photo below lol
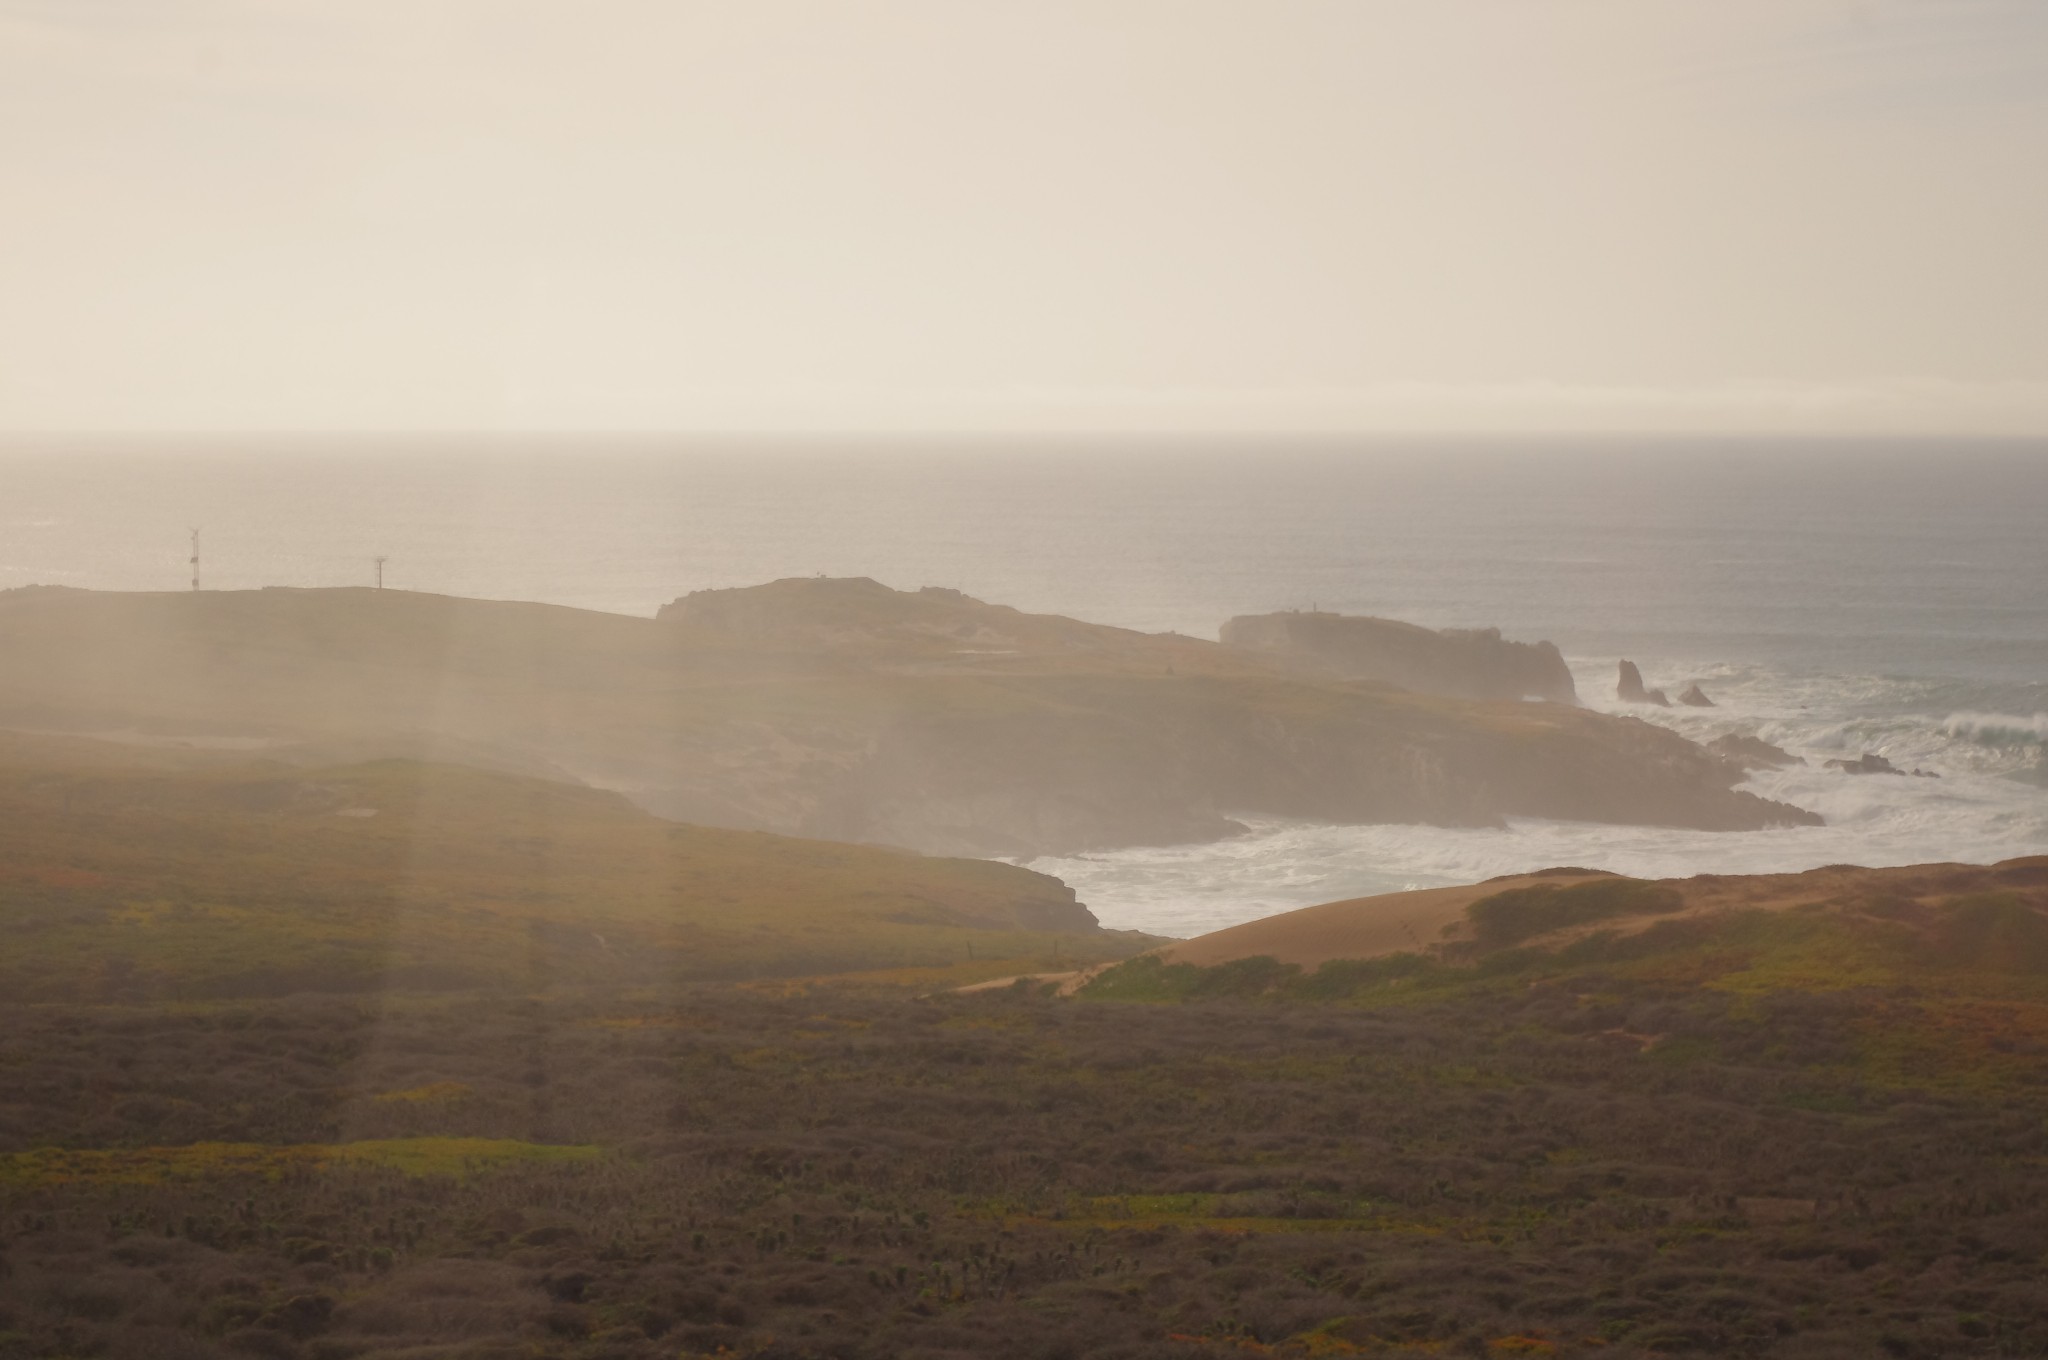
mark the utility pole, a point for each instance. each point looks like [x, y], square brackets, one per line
[380, 572]
[195, 559]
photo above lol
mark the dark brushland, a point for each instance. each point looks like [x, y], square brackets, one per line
[844, 710]
[513, 1068]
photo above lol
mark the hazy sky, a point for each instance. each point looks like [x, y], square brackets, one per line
[1472, 214]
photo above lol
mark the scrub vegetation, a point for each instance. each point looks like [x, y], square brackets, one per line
[209, 879]
[1586, 1123]
[1603, 1163]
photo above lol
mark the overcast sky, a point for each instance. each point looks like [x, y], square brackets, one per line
[889, 214]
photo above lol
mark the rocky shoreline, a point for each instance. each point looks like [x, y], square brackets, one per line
[845, 710]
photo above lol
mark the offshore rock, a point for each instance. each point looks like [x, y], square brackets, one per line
[1749, 752]
[1871, 763]
[1463, 663]
[1629, 688]
[1695, 697]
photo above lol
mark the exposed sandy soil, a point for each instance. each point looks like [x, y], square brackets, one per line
[1391, 923]
[1070, 982]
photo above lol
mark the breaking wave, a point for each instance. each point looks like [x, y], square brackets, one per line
[1990, 803]
[2000, 730]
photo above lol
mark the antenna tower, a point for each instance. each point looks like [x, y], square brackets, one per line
[380, 571]
[195, 559]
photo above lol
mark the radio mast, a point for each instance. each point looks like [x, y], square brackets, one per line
[380, 571]
[195, 559]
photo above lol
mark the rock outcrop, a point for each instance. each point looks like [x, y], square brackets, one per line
[1695, 697]
[1750, 752]
[1629, 688]
[842, 710]
[1870, 763]
[1464, 663]
[1873, 763]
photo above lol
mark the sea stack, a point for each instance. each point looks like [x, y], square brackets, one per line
[1629, 689]
[1695, 697]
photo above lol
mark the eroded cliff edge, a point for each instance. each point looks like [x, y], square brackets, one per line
[1465, 663]
[842, 709]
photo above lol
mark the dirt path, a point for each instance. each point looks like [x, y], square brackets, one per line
[1070, 982]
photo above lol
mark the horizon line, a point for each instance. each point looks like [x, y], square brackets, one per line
[998, 434]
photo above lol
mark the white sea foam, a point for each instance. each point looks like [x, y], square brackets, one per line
[1976, 812]
[1999, 729]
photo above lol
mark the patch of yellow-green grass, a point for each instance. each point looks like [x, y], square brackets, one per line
[1791, 952]
[1821, 950]
[1956, 1043]
[458, 1156]
[433, 1093]
[202, 1161]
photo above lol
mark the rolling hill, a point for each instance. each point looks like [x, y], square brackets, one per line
[148, 874]
[1929, 952]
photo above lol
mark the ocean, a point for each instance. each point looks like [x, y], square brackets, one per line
[1834, 597]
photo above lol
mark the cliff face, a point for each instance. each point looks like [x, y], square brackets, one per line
[1464, 663]
[1077, 766]
[839, 709]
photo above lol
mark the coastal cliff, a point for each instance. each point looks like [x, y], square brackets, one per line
[840, 709]
[1464, 663]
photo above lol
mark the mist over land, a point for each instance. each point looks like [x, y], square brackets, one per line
[482, 972]
[1108, 678]
[845, 709]
[1834, 596]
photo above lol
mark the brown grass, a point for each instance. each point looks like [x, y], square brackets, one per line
[1356, 928]
[1415, 922]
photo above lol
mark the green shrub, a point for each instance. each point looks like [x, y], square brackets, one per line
[1523, 913]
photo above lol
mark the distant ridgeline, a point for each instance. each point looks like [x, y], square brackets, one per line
[845, 710]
